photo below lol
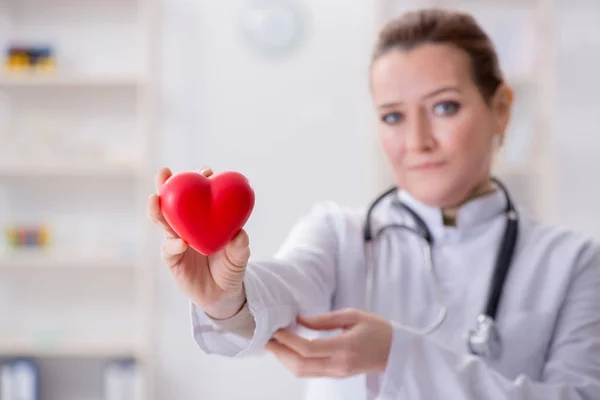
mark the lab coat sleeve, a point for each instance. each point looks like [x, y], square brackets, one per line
[419, 368]
[299, 278]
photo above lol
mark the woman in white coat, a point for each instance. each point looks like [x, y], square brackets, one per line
[444, 108]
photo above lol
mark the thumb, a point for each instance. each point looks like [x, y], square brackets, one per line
[228, 266]
[340, 319]
[237, 251]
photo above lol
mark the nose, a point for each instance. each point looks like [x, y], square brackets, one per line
[418, 136]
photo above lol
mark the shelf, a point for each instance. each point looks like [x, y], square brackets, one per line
[50, 81]
[22, 259]
[70, 347]
[77, 146]
[67, 170]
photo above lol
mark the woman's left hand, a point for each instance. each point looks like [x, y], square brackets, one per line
[363, 346]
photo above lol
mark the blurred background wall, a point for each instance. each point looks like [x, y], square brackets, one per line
[197, 91]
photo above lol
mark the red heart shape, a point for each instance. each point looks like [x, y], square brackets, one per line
[207, 213]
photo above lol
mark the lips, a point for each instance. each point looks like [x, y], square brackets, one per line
[428, 165]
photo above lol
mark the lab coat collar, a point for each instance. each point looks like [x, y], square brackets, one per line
[474, 212]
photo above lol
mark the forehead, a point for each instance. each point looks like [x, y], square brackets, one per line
[419, 71]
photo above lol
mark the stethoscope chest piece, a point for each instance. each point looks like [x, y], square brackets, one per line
[485, 340]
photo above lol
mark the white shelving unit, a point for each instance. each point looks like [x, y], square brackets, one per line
[39, 259]
[523, 32]
[81, 82]
[77, 155]
[73, 347]
[32, 168]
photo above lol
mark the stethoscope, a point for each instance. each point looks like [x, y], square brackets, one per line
[485, 340]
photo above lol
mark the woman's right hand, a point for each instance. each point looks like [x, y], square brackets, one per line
[213, 283]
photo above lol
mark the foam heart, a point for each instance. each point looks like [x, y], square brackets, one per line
[207, 213]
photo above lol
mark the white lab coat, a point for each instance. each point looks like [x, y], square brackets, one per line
[549, 315]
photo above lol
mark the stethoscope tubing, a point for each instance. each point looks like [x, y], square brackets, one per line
[486, 330]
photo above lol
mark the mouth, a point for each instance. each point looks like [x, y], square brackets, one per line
[427, 166]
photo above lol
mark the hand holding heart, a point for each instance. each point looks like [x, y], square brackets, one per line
[214, 282]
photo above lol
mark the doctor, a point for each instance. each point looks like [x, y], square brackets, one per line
[442, 289]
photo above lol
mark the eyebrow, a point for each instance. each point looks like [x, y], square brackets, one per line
[428, 95]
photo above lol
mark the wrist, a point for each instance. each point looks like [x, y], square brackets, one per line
[226, 308]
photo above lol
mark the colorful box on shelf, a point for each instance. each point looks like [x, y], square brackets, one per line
[27, 58]
[28, 236]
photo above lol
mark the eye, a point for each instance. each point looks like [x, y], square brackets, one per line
[446, 108]
[392, 118]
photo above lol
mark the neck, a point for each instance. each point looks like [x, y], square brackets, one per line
[449, 214]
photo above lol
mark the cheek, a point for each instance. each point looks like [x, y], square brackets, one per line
[390, 143]
[464, 139]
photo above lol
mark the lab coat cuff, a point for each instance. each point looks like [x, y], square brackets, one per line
[213, 337]
[216, 337]
[255, 305]
[397, 360]
[242, 323]
[267, 316]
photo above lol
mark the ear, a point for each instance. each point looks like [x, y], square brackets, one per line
[501, 106]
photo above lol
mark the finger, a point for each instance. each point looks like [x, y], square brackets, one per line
[298, 365]
[341, 319]
[206, 171]
[237, 251]
[172, 250]
[155, 214]
[161, 177]
[326, 347]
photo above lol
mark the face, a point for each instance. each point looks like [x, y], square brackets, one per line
[436, 129]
